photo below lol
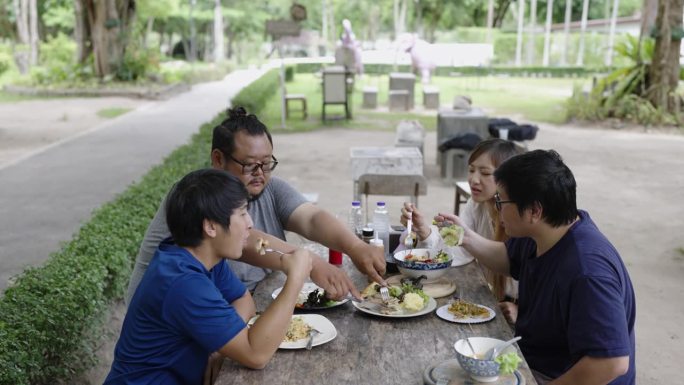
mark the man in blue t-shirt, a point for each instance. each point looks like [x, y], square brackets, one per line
[189, 304]
[576, 302]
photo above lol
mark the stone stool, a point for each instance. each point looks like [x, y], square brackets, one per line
[431, 97]
[454, 164]
[399, 100]
[370, 97]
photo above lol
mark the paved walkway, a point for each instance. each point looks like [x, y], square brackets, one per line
[46, 198]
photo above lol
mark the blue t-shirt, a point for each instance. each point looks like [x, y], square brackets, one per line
[575, 300]
[179, 315]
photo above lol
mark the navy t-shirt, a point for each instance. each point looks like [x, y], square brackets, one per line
[179, 315]
[575, 300]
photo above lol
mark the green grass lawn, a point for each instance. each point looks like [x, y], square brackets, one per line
[535, 99]
[112, 112]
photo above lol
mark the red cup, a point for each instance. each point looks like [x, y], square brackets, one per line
[335, 257]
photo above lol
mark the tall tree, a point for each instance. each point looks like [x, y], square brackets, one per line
[664, 69]
[611, 33]
[566, 32]
[521, 21]
[219, 52]
[583, 30]
[104, 28]
[547, 33]
[533, 30]
[26, 15]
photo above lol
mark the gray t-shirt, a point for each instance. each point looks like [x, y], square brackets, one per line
[270, 213]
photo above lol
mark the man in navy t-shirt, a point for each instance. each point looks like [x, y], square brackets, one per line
[189, 304]
[576, 302]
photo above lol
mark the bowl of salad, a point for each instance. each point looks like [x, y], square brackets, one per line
[481, 369]
[416, 262]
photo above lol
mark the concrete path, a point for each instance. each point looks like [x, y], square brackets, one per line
[45, 198]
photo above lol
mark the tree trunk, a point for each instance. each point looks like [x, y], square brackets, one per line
[192, 55]
[533, 26]
[611, 34]
[649, 11]
[566, 32]
[33, 31]
[219, 52]
[583, 30]
[521, 21]
[108, 22]
[547, 33]
[22, 20]
[490, 20]
[81, 33]
[500, 12]
[149, 28]
[664, 69]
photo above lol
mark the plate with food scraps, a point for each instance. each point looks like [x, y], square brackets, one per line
[301, 327]
[402, 304]
[465, 312]
[312, 297]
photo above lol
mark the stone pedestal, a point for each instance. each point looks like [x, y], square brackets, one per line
[370, 97]
[430, 97]
[410, 133]
[399, 100]
[404, 81]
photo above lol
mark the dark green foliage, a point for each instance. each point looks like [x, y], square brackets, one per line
[380, 69]
[48, 317]
[289, 73]
[255, 96]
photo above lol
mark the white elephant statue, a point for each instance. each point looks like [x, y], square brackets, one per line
[348, 52]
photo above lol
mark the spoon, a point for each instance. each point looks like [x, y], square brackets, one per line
[495, 351]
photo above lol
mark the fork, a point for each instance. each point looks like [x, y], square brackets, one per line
[384, 293]
[408, 241]
[312, 333]
[274, 251]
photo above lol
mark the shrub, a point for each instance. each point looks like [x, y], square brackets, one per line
[255, 96]
[289, 73]
[48, 316]
[136, 63]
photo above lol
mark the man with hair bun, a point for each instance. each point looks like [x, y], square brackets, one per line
[242, 146]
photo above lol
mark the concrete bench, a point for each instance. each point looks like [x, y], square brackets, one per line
[399, 100]
[431, 97]
[370, 97]
[454, 164]
[295, 97]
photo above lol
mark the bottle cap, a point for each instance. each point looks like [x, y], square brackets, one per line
[367, 232]
[377, 242]
[334, 257]
[381, 203]
[356, 203]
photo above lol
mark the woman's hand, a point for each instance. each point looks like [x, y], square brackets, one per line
[420, 226]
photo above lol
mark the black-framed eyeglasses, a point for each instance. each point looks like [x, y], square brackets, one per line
[250, 168]
[498, 202]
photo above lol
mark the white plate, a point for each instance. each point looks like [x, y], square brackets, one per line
[303, 294]
[443, 313]
[323, 325]
[431, 305]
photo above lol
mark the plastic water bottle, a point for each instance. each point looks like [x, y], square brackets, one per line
[356, 218]
[381, 224]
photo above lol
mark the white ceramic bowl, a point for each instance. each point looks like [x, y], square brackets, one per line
[415, 269]
[479, 369]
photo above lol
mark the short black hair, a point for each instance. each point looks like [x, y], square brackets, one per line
[223, 138]
[202, 194]
[540, 176]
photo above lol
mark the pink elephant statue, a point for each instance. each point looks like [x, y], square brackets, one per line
[422, 54]
[348, 52]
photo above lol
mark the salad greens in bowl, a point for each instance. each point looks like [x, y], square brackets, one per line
[481, 369]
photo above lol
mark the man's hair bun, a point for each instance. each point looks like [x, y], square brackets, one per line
[236, 112]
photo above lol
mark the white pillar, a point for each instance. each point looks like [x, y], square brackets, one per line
[518, 45]
[547, 33]
[611, 34]
[583, 29]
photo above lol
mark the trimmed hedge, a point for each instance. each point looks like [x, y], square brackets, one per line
[49, 317]
[254, 97]
[381, 69]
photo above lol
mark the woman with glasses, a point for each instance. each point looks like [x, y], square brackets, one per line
[480, 214]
